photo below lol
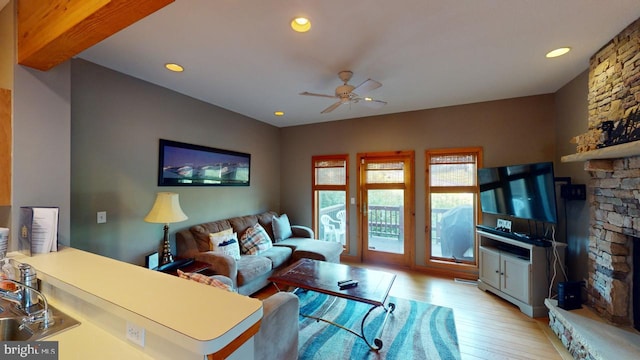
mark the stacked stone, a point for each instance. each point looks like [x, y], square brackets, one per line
[614, 84]
[615, 221]
[589, 140]
[576, 347]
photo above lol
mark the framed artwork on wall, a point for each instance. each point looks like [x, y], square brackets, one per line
[182, 164]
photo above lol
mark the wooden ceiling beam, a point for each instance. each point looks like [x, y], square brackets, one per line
[51, 32]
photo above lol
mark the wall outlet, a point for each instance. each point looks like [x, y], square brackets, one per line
[573, 192]
[102, 217]
[135, 334]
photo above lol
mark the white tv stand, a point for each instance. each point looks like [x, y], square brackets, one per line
[518, 272]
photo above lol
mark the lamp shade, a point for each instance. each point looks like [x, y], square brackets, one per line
[166, 209]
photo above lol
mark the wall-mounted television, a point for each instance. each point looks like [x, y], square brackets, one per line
[524, 191]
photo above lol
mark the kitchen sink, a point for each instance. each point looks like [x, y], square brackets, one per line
[12, 329]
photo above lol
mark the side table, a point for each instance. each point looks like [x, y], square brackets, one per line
[186, 265]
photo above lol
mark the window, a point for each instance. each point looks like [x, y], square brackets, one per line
[330, 194]
[452, 204]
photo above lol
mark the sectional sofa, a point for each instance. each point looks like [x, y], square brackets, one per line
[250, 273]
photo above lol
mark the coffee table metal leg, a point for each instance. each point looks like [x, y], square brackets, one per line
[377, 343]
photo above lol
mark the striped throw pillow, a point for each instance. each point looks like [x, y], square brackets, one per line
[255, 240]
[203, 279]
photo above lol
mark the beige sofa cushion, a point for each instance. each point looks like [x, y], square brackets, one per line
[251, 267]
[279, 255]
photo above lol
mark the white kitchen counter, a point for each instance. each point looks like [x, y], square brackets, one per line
[178, 316]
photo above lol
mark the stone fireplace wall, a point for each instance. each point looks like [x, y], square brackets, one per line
[614, 93]
[614, 203]
[615, 221]
[614, 89]
[614, 78]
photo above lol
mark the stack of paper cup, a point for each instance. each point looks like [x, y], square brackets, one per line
[4, 242]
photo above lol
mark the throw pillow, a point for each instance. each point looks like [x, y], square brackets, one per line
[225, 244]
[281, 227]
[255, 240]
[203, 279]
[225, 232]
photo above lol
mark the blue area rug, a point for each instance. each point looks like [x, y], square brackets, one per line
[415, 330]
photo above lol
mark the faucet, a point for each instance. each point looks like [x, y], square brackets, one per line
[26, 296]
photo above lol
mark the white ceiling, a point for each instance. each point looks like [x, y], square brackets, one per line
[244, 57]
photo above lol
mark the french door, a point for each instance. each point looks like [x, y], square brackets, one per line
[386, 210]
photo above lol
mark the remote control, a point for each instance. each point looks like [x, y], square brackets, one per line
[343, 282]
[349, 284]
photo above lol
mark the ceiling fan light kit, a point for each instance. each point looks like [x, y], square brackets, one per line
[349, 94]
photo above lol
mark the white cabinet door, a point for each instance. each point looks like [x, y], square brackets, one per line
[490, 267]
[515, 278]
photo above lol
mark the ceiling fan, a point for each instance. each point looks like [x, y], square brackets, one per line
[348, 94]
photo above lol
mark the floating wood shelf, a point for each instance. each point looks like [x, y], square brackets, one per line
[611, 152]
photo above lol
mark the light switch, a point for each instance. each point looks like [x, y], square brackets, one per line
[353, 201]
[102, 217]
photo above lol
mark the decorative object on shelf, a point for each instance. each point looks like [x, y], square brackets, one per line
[166, 210]
[194, 165]
[610, 132]
[622, 131]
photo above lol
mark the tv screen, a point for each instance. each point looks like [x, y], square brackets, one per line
[524, 191]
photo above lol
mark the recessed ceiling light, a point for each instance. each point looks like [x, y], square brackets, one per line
[558, 52]
[278, 113]
[301, 24]
[174, 67]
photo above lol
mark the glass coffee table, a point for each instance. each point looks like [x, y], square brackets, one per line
[372, 288]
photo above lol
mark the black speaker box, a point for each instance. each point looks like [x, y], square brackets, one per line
[569, 295]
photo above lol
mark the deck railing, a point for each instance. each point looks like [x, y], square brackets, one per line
[385, 221]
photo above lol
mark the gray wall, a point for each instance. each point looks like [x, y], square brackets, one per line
[571, 120]
[41, 143]
[117, 121]
[41, 134]
[510, 131]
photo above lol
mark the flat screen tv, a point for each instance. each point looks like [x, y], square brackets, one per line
[523, 191]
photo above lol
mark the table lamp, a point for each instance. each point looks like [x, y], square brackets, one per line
[166, 210]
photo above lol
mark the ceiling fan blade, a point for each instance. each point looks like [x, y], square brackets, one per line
[331, 108]
[375, 104]
[366, 86]
[306, 93]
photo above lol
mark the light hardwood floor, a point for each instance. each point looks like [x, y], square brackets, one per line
[488, 327]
